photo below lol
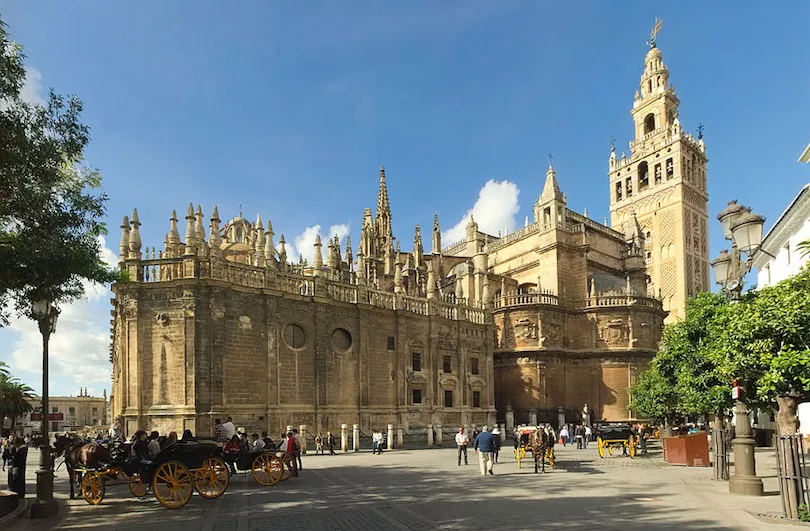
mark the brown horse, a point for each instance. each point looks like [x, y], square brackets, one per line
[538, 446]
[81, 455]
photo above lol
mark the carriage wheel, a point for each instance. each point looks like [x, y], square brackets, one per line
[631, 447]
[93, 488]
[212, 479]
[172, 484]
[601, 444]
[138, 487]
[267, 470]
[550, 454]
[610, 449]
[286, 466]
[519, 454]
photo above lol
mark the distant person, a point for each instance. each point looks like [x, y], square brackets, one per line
[496, 433]
[319, 444]
[485, 447]
[299, 445]
[187, 436]
[330, 442]
[220, 434]
[290, 448]
[564, 435]
[588, 434]
[154, 444]
[268, 442]
[229, 428]
[258, 444]
[462, 441]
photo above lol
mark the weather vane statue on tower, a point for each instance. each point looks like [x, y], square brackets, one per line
[655, 31]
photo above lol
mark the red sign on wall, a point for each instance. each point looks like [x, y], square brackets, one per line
[37, 417]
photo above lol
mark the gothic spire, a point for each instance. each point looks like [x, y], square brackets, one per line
[383, 207]
[282, 254]
[199, 230]
[190, 221]
[135, 235]
[124, 245]
[437, 236]
[174, 233]
[317, 259]
[551, 190]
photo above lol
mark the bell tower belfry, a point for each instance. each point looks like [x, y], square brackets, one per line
[663, 183]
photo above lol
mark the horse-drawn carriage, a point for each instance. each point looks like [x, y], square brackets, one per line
[617, 436]
[267, 467]
[176, 472]
[537, 442]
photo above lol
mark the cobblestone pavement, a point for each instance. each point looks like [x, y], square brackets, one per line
[425, 489]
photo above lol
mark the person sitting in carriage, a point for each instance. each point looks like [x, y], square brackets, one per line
[140, 455]
[258, 444]
[231, 452]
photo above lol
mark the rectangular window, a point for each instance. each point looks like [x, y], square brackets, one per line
[447, 365]
[95, 411]
[474, 365]
[670, 169]
[72, 411]
[658, 173]
[787, 253]
[390, 342]
[416, 361]
[619, 191]
[448, 398]
[54, 409]
[54, 426]
[476, 399]
[416, 396]
[629, 186]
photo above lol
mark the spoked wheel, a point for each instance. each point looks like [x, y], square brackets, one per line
[93, 488]
[631, 447]
[601, 444]
[286, 466]
[267, 470]
[138, 487]
[212, 479]
[172, 484]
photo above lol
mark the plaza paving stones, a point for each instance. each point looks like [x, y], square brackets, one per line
[424, 489]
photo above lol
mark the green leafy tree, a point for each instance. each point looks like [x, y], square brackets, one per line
[14, 399]
[51, 207]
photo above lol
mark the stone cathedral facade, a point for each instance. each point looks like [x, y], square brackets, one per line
[522, 327]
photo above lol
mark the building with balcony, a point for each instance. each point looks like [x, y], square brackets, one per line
[82, 413]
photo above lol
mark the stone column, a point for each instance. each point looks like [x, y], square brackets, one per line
[390, 437]
[430, 435]
[344, 438]
[302, 430]
[438, 435]
[745, 480]
[400, 437]
[356, 437]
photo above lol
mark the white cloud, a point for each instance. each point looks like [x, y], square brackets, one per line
[304, 243]
[32, 88]
[79, 350]
[495, 210]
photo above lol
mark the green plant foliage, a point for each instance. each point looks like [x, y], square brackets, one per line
[14, 397]
[51, 206]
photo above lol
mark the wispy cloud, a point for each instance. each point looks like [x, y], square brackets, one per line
[32, 88]
[304, 244]
[495, 210]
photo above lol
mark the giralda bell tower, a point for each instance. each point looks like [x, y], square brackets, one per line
[663, 185]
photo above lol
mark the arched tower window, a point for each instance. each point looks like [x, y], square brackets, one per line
[643, 176]
[649, 123]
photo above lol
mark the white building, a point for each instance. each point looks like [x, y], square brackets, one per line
[781, 258]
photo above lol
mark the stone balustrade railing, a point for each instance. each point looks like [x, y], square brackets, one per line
[601, 301]
[526, 299]
[196, 267]
[550, 299]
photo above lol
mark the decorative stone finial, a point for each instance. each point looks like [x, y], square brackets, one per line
[124, 245]
[135, 235]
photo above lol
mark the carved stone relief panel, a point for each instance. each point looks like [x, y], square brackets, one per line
[614, 332]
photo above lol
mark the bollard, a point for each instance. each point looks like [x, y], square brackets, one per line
[344, 438]
[502, 427]
[289, 429]
[356, 437]
[302, 431]
[400, 437]
[390, 436]
[439, 435]
[430, 435]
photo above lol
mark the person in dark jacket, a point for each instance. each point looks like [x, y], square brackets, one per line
[16, 471]
[485, 446]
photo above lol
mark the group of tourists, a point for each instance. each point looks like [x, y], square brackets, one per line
[15, 454]
[580, 434]
[485, 443]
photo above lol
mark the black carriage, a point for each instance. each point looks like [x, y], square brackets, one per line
[178, 470]
[267, 467]
[617, 436]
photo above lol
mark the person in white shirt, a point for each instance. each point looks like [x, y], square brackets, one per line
[258, 444]
[462, 441]
[377, 442]
[587, 438]
[154, 444]
[228, 429]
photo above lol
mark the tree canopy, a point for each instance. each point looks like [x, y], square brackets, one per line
[51, 206]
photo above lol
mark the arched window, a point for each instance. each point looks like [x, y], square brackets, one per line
[643, 176]
[649, 123]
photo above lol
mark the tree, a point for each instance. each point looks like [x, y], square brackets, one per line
[14, 399]
[51, 207]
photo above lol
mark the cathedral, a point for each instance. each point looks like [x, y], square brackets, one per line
[530, 326]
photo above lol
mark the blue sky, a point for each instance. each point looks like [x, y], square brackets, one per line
[288, 108]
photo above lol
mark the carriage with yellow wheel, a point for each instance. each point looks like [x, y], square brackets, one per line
[179, 470]
[617, 436]
[524, 437]
[267, 467]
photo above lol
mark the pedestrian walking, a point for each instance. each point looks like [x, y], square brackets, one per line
[588, 434]
[16, 470]
[485, 448]
[299, 445]
[318, 444]
[462, 441]
[497, 434]
[579, 434]
[330, 442]
[564, 435]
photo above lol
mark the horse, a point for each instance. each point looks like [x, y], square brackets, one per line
[79, 454]
[540, 442]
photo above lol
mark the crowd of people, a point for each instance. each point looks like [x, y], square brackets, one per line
[15, 454]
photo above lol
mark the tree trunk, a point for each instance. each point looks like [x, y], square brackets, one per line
[667, 428]
[788, 446]
[720, 447]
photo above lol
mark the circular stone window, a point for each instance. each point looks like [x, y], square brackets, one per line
[341, 339]
[294, 336]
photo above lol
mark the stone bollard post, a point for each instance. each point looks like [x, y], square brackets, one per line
[344, 438]
[502, 427]
[289, 429]
[400, 437]
[302, 431]
[430, 435]
[356, 437]
[439, 435]
[390, 437]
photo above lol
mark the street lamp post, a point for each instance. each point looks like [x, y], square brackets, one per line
[45, 506]
[744, 229]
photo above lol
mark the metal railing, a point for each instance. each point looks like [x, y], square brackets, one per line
[790, 468]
